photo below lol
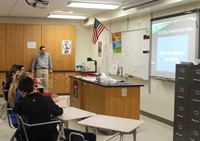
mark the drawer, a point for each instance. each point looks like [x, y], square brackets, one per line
[194, 119]
[195, 96]
[182, 93]
[181, 113]
[180, 132]
[195, 76]
[194, 134]
[182, 74]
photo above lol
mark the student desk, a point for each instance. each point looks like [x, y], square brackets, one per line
[62, 101]
[120, 125]
[71, 113]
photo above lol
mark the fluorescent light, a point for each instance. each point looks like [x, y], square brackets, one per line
[67, 17]
[92, 5]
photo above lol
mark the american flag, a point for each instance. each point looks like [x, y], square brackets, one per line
[98, 28]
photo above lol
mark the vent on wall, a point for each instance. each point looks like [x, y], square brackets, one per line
[138, 3]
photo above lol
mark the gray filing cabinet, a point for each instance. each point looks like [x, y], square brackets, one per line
[187, 103]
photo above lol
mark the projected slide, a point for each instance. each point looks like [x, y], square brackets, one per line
[171, 50]
[174, 40]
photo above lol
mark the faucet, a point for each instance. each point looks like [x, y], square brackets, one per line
[120, 71]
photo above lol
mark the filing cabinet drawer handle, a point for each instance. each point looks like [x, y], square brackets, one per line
[192, 140]
[179, 134]
[195, 120]
[179, 115]
[195, 100]
[180, 97]
[181, 78]
[196, 79]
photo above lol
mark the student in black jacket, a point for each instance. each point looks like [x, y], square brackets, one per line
[37, 108]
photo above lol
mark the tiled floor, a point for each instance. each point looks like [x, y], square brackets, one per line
[151, 130]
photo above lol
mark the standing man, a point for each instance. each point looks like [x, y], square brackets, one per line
[42, 64]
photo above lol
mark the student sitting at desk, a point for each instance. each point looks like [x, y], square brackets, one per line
[12, 72]
[37, 108]
[26, 74]
[13, 97]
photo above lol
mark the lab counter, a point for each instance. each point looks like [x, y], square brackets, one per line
[121, 99]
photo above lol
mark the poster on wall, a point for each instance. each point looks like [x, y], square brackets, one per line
[99, 49]
[116, 42]
[31, 44]
[66, 46]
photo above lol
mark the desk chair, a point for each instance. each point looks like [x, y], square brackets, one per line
[74, 135]
[8, 110]
[24, 126]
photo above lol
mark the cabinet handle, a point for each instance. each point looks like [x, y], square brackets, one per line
[179, 134]
[179, 115]
[197, 80]
[192, 140]
[195, 100]
[195, 120]
[182, 78]
[180, 96]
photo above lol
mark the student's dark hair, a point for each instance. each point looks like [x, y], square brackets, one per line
[12, 70]
[19, 67]
[42, 47]
[26, 85]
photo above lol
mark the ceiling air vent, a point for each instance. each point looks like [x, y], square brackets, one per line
[138, 3]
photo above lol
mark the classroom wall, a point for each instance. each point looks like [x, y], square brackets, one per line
[82, 34]
[157, 96]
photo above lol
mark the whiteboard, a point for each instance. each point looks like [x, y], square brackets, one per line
[134, 57]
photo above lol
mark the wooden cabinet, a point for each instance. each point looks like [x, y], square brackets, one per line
[59, 82]
[14, 45]
[120, 101]
[14, 39]
[52, 38]
[32, 33]
[2, 46]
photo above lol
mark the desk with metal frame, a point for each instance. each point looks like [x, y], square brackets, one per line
[111, 123]
[72, 113]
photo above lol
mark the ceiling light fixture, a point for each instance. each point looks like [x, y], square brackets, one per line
[93, 5]
[38, 4]
[66, 16]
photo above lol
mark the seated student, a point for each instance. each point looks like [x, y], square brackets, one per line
[20, 68]
[37, 108]
[13, 97]
[12, 72]
[26, 74]
[8, 75]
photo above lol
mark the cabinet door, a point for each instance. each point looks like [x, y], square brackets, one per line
[50, 41]
[2, 46]
[66, 60]
[14, 45]
[32, 33]
[75, 92]
[85, 96]
[59, 83]
[67, 79]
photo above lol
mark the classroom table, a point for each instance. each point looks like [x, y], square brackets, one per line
[72, 113]
[62, 101]
[111, 123]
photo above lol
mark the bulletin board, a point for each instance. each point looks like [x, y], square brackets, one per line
[134, 57]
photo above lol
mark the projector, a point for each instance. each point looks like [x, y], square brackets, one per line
[41, 4]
